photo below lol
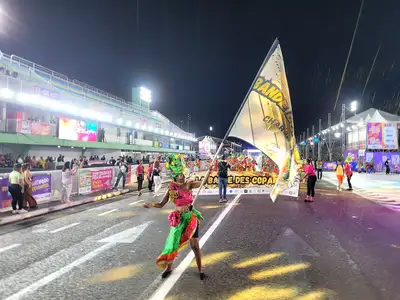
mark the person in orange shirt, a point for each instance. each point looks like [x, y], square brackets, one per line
[339, 174]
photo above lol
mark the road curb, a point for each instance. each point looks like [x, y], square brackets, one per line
[62, 206]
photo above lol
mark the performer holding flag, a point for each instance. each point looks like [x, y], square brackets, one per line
[184, 220]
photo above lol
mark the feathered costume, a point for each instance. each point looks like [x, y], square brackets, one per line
[183, 224]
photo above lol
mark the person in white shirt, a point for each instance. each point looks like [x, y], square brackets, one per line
[66, 180]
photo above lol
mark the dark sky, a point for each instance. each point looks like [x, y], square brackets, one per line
[200, 57]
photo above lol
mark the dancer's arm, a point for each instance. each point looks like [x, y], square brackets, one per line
[160, 204]
[194, 184]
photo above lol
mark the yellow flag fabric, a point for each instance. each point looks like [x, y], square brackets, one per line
[266, 121]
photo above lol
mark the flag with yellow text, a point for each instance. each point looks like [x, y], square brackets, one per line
[266, 121]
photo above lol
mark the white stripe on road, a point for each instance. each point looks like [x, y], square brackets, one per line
[136, 202]
[9, 247]
[107, 212]
[63, 228]
[169, 283]
[49, 278]
[127, 236]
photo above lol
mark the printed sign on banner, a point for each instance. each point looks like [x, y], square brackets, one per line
[5, 197]
[85, 181]
[101, 180]
[41, 187]
[382, 136]
[265, 120]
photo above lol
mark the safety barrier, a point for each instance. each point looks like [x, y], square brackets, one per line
[47, 185]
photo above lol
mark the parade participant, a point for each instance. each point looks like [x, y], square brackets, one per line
[349, 173]
[184, 220]
[339, 174]
[311, 180]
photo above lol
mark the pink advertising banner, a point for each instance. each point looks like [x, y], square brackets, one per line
[102, 179]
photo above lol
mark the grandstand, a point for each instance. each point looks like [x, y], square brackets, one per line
[27, 88]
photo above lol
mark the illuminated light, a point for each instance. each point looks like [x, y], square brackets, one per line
[23, 97]
[166, 132]
[316, 295]
[348, 129]
[58, 146]
[257, 260]
[354, 127]
[353, 106]
[119, 121]
[128, 123]
[278, 271]
[72, 147]
[150, 128]
[137, 125]
[341, 125]
[213, 258]
[360, 124]
[117, 274]
[337, 134]
[211, 206]
[162, 131]
[395, 246]
[7, 93]
[265, 293]
[145, 94]
[156, 130]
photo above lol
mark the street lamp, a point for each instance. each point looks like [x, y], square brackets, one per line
[353, 106]
[211, 130]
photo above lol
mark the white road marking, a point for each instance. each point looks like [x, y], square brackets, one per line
[65, 227]
[107, 212]
[126, 236]
[136, 202]
[169, 283]
[9, 247]
[133, 235]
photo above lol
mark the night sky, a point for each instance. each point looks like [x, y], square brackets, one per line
[200, 57]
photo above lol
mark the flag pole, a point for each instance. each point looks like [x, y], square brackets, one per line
[271, 50]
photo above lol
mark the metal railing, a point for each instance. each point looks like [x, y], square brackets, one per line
[70, 84]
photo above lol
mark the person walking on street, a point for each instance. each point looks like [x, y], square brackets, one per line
[140, 176]
[157, 178]
[339, 175]
[150, 177]
[319, 169]
[123, 170]
[349, 173]
[311, 180]
[16, 189]
[222, 167]
[387, 166]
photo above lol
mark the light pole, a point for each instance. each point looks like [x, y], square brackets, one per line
[352, 109]
[211, 130]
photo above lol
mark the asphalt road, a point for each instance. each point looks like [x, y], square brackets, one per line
[340, 247]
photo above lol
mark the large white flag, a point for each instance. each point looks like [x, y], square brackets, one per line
[266, 121]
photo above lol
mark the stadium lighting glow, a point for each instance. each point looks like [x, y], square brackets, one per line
[353, 106]
[129, 123]
[150, 128]
[156, 130]
[137, 125]
[348, 129]
[162, 132]
[119, 121]
[337, 134]
[145, 94]
[354, 127]
[341, 125]
[211, 128]
[7, 93]
[360, 124]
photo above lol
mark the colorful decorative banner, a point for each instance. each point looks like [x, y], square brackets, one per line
[41, 187]
[382, 136]
[101, 180]
[265, 121]
[84, 181]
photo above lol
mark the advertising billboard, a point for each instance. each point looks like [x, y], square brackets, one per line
[382, 136]
[76, 130]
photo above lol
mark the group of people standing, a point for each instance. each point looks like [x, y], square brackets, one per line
[153, 175]
[20, 188]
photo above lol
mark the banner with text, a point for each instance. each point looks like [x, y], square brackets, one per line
[382, 136]
[265, 121]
